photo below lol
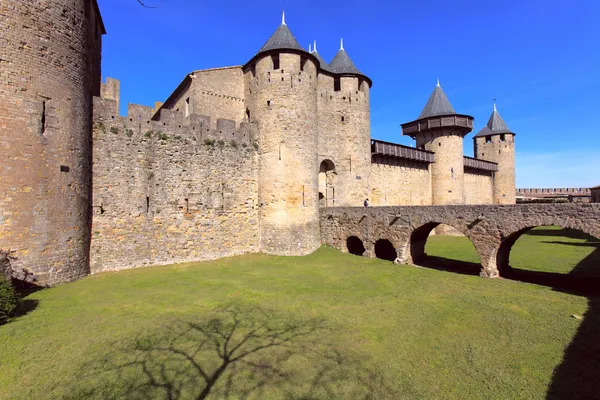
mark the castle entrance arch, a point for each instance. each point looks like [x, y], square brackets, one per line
[327, 176]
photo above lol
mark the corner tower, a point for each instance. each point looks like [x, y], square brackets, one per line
[344, 130]
[281, 97]
[50, 68]
[496, 143]
[441, 130]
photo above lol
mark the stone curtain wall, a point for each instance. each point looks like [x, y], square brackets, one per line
[493, 229]
[398, 182]
[479, 187]
[49, 70]
[171, 190]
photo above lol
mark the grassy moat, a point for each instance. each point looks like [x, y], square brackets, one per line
[325, 326]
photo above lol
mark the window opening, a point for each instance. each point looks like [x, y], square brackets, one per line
[337, 84]
[275, 59]
[43, 121]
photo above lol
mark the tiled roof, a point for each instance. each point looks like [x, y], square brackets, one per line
[495, 126]
[438, 104]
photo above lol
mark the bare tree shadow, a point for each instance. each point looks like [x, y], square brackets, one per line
[236, 353]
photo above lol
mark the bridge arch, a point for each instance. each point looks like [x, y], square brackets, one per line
[355, 246]
[385, 250]
[502, 256]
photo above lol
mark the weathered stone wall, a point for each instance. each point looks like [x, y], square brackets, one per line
[493, 229]
[399, 182]
[501, 150]
[49, 70]
[170, 191]
[217, 93]
[479, 186]
[283, 104]
[447, 172]
[345, 136]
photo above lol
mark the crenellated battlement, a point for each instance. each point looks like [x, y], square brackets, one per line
[142, 123]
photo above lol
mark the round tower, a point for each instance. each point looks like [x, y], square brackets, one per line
[281, 87]
[441, 130]
[50, 69]
[344, 129]
[496, 143]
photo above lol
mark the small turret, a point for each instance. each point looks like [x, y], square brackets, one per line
[441, 130]
[496, 143]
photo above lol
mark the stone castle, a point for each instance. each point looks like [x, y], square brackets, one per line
[236, 160]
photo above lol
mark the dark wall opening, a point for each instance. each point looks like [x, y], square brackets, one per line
[355, 246]
[385, 250]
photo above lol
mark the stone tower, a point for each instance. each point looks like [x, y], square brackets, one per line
[496, 143]
[50, 68]
[344, 130]
[441, 130]
[281, 86]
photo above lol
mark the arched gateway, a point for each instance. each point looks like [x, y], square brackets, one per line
[493, 229]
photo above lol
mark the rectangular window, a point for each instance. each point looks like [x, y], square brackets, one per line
[275, 59]
[502, 138]
[337, 84]
[488, 139]
[187, 107]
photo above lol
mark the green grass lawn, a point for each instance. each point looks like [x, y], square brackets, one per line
[328, 325]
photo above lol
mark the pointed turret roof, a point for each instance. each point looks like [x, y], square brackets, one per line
[281, 39]
[495, 125]
[324, 65]
[438, 104]
[342, 64]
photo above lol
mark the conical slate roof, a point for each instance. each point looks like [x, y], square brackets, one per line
[495, 126]
[281, 39]
[438, 104]
[342, 64]
[322, 62]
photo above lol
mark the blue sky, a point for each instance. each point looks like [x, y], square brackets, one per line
[539, 59]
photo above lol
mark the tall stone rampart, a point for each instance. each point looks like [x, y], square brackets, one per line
[49, 69]
[171, 190]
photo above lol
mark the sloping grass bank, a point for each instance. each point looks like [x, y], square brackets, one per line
[328, 325]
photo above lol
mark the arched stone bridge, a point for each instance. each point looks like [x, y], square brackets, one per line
[493, 229]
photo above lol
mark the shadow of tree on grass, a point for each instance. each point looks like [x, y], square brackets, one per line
[236, 353]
